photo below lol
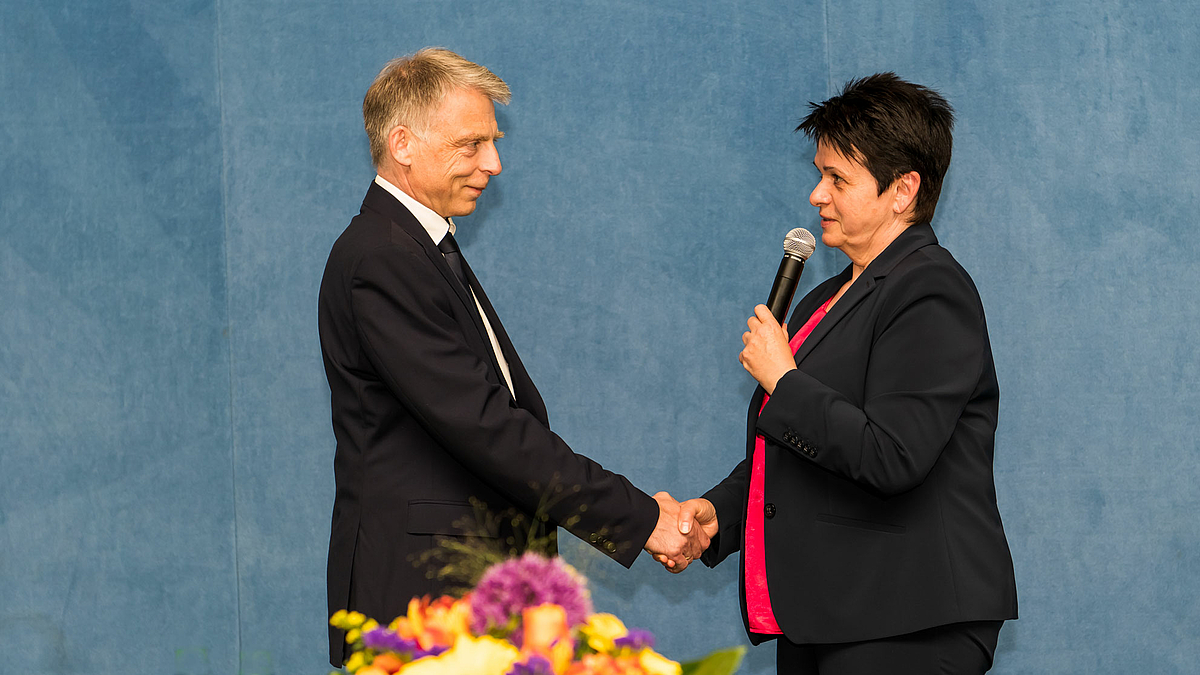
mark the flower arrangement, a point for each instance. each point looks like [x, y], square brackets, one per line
[530, 615]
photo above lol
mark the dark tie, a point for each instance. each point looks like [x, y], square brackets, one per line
[449, 248]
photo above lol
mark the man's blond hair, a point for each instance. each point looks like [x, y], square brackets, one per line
[409, 90]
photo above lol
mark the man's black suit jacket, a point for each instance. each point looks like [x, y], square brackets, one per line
[881, 514]
[424, 421]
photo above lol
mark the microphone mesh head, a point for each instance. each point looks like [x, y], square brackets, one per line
[799, 243]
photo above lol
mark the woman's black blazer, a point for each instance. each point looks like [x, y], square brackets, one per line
[881, 514]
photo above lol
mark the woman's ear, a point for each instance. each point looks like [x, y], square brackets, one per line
[907, 187]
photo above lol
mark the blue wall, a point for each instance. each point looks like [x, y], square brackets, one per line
[173, 174]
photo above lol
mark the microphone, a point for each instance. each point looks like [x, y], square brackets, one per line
[797, 246]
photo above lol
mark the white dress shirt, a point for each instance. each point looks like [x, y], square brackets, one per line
[437, 227]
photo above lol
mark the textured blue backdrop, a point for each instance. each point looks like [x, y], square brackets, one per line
[173, 174]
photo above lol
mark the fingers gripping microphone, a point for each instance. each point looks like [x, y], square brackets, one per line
[797, 246]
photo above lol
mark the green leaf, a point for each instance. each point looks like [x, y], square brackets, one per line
[723, 662]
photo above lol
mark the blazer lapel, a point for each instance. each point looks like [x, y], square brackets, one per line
[861, 288]
[911, 239]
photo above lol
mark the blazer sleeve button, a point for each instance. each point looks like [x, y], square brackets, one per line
[769, 511]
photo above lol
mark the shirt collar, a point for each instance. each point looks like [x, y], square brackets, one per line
[435, 225]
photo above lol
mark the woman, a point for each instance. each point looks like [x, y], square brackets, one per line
[866, 509]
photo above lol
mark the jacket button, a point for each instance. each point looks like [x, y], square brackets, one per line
[610, 547]
[769, 511]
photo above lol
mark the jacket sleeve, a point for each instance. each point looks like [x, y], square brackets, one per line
[924, 365]
[729, 499]
[417, 348]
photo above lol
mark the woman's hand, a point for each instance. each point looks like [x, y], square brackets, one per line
[767, 355]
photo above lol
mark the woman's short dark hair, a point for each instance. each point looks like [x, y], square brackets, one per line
[891, 127]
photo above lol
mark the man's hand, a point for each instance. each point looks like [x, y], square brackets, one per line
[767, 355]
[669, 546]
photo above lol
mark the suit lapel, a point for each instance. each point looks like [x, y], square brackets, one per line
[381, 202]
[526, 393]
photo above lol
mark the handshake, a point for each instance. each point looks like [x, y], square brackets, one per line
[683, 532]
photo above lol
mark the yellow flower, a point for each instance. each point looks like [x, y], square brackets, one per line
[355, 618]
[561, 654]
[338, 617]
[352, 635]
[356, 661]
[656, 664]
[370, 625]
[477, 656]
[601, 630]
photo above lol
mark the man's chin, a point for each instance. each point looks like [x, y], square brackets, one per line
[465, 209]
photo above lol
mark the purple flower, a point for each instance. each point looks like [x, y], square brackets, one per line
[535, 665]
[531, 580]
[382, 639]
[637, 640]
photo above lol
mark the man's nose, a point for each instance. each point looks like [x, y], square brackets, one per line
[489, 163]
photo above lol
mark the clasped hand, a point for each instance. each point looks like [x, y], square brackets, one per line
[684, 531]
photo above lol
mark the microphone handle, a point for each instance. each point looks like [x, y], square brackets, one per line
[785, 286]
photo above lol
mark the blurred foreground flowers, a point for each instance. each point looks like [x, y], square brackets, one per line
[527, 616]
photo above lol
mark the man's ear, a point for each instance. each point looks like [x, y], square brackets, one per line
[400, 144]
[906, 192]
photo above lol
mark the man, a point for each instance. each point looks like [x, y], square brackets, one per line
[431, 405]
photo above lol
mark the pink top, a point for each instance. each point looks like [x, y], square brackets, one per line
[758, 599]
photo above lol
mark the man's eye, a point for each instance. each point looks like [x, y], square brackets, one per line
[837, 180]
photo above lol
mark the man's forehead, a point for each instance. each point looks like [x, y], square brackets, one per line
[466, 115]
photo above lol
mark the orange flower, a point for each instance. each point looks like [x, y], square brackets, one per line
[546, 633]
[544, 625]
[388, 662]
[435, 623]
